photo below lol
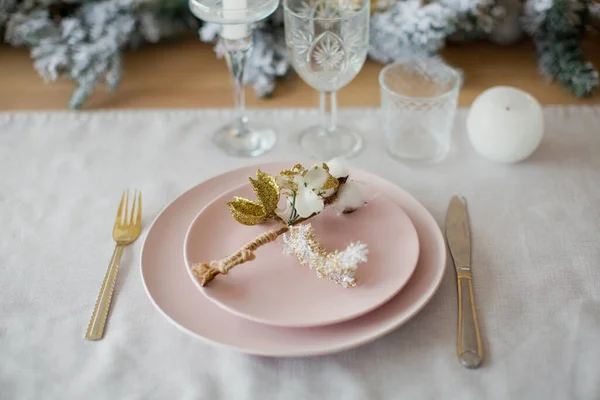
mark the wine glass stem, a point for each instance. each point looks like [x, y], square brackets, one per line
[328, 118]
[237, 52]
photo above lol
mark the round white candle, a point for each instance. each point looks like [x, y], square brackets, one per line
[505, 124]
[234, 9]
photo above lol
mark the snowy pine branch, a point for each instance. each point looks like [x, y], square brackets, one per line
[83, 40]
[409, 28]
[556, 27]
[86, 44]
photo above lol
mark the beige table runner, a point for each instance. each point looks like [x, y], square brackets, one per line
[536, 231]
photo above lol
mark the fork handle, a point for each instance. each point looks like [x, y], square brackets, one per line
[470, 346]
[95, 329]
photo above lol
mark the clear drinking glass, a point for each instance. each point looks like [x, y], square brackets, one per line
[328, 42]
[418, 103]
[242, 137]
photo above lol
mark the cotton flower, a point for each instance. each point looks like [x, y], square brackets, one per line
[308, 190]
[337, 168]
[288, 179]
[349, 198]
[308, 202]
[286, 210]
[315, 185]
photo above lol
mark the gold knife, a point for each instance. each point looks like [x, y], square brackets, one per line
[458, 235]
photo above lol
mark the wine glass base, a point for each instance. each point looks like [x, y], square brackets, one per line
[318, 143]
[245, 139]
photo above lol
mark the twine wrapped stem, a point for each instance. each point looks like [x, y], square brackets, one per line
[207, 272]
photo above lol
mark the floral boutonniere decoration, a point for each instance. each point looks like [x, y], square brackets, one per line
[307, 192]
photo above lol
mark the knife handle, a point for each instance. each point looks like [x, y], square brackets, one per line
[470, 348]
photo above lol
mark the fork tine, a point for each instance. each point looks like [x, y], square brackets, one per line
[133, 209]
[121, 204]
[138, 219]
[126, 212]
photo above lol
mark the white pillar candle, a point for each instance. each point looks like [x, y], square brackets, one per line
[505, 124]
[234, 9]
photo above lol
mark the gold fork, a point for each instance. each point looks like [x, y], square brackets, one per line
[126, 230]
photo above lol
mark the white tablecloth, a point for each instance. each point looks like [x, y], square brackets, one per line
[536, 256]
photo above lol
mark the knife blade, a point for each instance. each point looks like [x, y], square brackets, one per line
[458, 233]
[458, 236]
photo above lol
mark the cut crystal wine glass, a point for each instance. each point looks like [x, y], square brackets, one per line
[328, 42]
[241, 137]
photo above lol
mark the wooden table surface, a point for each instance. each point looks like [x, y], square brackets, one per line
[186, 74]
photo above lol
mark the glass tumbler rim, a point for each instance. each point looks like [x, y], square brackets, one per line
[448, 93]
[287, 9]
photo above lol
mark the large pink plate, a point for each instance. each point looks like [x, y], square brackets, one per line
[275, 289]
[175, 296]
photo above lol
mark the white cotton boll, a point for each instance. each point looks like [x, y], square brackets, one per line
[337, 167]
[349, 198]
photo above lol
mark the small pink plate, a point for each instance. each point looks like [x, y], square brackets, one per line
[275, 289]
[172, 292]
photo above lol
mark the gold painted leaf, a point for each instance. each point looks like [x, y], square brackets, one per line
[267, 192]
[331, 184]
[246, 211]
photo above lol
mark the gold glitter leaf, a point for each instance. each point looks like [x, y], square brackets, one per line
[296, 169]
[331, 183]
[267, 192]
[246, 211]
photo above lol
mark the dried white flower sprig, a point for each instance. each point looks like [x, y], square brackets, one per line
[337, 266]
[307, 192]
